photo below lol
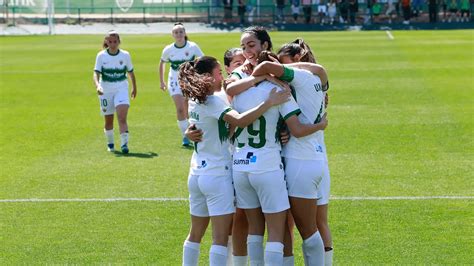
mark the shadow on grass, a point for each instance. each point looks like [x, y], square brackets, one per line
[147, 155]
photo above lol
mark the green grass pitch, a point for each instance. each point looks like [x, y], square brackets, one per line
[400, 124]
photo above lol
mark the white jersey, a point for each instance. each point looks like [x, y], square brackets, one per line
[113, 69]
[176, 56]
[257, 148]
[239, 73]
[307, 91]
[223, 96]
[211, 156]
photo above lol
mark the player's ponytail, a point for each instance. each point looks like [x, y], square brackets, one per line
[297, 47]
[307, 54]
[195, 78]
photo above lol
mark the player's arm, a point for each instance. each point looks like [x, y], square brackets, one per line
[96, 78]
[244, 119]
[161, 70]
[193, 133]
[131, 74]
[299, 130]
[316, 69]
[273, 68]
[241, 85]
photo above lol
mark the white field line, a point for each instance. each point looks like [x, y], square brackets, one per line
[389, 34]
[186, 199]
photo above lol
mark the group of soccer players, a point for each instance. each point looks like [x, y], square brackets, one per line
[242, 178]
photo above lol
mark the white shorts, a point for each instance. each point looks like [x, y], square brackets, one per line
[108, 101]
[303, 177]
[210, 195]
[173, 88]
[266, 190]
[324, 188]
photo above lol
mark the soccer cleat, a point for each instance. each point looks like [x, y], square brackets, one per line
[124, 149]
[110, 147]
[186, 142]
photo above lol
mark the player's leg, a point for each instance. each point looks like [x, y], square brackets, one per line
[323, 228]
[247, 199]
[273, 196]
[107, 109]
[304, 178]
[240, 230]
[288, 240]
[122, 103]
[322, 215]
[199, 221]
[219, 193]
[182, 115]
[122, 112]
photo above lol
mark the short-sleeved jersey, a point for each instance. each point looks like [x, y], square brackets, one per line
[211, 156]
[307, 91]
[178, 55]
[113, 69]
[257, 148]
[238, 73]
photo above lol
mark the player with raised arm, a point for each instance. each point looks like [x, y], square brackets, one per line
[210, 180]
[257, 169]
[110, 79]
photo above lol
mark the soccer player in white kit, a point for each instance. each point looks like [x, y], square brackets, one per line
[301, 52]
[110, 78]
[257, 169]
[182, 50]
[210, 179]
[304, 157]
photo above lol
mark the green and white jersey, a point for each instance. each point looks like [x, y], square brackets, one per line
[178, 55]
[113, 69]
[211, 156]
[257, 148]
[307, 91]
[239, 73]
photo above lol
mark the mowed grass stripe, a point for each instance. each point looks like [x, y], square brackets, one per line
[364, 232]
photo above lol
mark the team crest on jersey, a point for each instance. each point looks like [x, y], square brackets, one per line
[121, 62]
[186, 53]
[203, 165]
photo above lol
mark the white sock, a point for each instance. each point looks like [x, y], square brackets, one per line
[240, 260]
[313, 248]
[289, 261]
[328, 257]
[124, 138]
[190, 253]
[218, 255]
[274, 253]
[229, 252]
[183, 125]
[255, 249]
[109, 135]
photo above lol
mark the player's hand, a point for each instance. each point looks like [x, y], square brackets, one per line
[163, 86]
[284, 136]
[193, 134]
[276, 98]
[247, 68]
[133, 95]
[100, 91]
[324, 121]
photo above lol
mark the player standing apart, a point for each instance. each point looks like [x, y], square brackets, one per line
[182, 50]
[110, 77]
